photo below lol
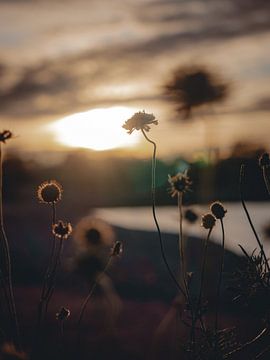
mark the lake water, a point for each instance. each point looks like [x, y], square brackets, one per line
[237, 228]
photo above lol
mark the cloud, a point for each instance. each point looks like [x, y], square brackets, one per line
[122, 60]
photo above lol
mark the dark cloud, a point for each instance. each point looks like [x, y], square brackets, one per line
[71, 83]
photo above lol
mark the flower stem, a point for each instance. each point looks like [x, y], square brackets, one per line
[88, 297]
[183, 266]
[44, 292]
[181, 243]
[220, 277]
[242, 170]
[203, 271]
[8, 288]
[47, 290]
[153, 193]
[248, 343]
[265, 170]
[51, 283]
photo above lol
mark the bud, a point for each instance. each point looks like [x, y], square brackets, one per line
[117, 249]
[61, 229]
[208, 221]
[218, 210]
[264, 160]
[5, 135]
[63, 314]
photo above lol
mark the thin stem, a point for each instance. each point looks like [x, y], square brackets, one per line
[153, 193]
[183, 265]
[47, 277]
[9, 289]
[88, 297]
[53, 248]
[203, 268]
[181, 243]
[220, 276]
[52, 277]
[47, 292]
[242, 169]
[248, 343]
[263, 352]
[266, 178]
[52, 255]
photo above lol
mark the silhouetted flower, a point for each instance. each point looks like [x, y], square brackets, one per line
[94, 234]
[190, 216]
[5, 135]
[208, 221]
[49, 192]
[61, 229]
[180, 183]
[264, 160]
[218, 210]
[140, 121]
[191, 87]
[117, 249]
[63, 314]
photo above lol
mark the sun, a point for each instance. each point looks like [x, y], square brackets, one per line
[97, 129]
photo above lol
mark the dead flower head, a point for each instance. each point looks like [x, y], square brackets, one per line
[208, 221]
[94, 235]
[63, 314]
[218, 210]
[180, 183]
[61, 229]
[117, 249]
[264, 160]
[140, 121]
[5, 135]
[49, 192]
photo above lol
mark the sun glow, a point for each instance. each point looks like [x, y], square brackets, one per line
[97, 129]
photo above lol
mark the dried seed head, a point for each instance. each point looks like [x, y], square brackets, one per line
[117, 249]
[5, 135]
[140, 121]
[208, 221]
[49, 192]
[264, 160]
[62, 230]
[63, 314]
[180, 183]
[218, 210]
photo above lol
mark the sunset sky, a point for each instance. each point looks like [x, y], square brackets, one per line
[59, 58]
